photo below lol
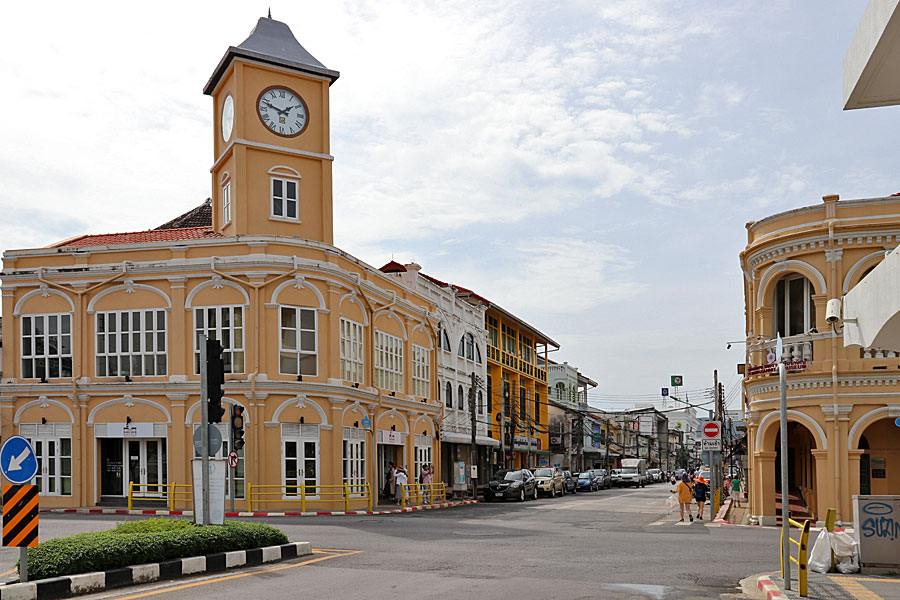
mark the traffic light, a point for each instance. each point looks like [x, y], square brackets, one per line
[215, 380]
[237, 426]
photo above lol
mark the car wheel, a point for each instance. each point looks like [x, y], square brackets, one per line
[552, 492]
[522, 495]
[535, 497]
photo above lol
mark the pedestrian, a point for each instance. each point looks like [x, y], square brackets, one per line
[683, 490]
[400, 480]
[427, 478]
[736, 490]
[701, 491]
[389, 480]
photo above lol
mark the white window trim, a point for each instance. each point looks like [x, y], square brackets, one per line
[300, 439]
[46, 335]
[226, 203]
[142, 332]
[218, 330]
[284, 179]
[297, 350]
[355, 437]
[421, 371]
[388, 349]
[54, 432]
[354, 360]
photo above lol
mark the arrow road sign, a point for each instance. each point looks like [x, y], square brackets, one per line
[17, 460]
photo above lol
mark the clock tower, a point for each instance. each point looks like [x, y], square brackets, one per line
[271, 173]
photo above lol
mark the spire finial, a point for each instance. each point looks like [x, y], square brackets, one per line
[270, 12]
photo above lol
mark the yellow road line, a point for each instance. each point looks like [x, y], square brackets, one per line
[5, 573]
[856, 589]
[239, 575]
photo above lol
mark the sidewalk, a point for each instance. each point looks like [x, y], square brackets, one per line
[834, 586]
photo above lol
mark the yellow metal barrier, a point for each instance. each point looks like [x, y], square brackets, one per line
[422, 493]
[161, 492]
[800, 561]
[830, 517]
[309, 494]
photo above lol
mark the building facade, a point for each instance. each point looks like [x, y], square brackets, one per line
[841, 401]
[333, 360]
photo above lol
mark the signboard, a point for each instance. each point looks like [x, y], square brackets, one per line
[461, 472]
[711, 436]
[794, 365]
[665, 392]
[20, 516]
[17, 460]
[395, 438]
[233, 459]
[217, 471]
[215, 439]
[366, 422]
[525, 442]
[677, 380]
[473, 471]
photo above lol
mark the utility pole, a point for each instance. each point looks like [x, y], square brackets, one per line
[607, 444]
[716, 456]
[472, 450]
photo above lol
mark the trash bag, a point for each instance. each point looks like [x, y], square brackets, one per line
[672, 502]
[819, 559]
[846, 553]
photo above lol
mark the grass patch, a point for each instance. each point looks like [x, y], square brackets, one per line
[149, 541]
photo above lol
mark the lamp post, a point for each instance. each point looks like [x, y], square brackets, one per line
[785, 511]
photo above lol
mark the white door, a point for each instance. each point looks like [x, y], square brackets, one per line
[147, 467]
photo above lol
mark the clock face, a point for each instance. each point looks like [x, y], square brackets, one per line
[227, 117]
[282, 111]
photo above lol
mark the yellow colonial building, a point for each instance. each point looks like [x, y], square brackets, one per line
[332, 360]
[842, 402]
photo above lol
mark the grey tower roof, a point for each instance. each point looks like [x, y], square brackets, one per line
[271, 42]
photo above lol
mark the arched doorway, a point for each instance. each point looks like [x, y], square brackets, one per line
[879, 463]
[801, 466]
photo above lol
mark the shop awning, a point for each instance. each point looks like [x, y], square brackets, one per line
[465, 438]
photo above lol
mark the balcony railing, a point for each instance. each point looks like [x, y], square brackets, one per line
[796, 348]
[877, 353]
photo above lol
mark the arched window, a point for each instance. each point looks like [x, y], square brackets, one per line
[480, 403]
[560, 391]
[461, 351]
[446, 341]
[470, 347]
[460, 398]
[477, 354]
[795, 311]
[449, 395]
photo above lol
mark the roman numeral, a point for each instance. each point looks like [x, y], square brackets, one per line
[265, 118]
[281, 93]
[272, 125]
[298, 124]
[272, 94]
[281, 130]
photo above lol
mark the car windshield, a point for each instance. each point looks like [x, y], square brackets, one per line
[543, 473]
[584, 476]
[629, 470]
[509, 475]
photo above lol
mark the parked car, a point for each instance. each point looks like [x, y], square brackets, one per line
[518, 485]
[633, 472]
[587, 482]
[570, 482]
[615, 477]
[550, 481]
[654, 476]
[604, 479]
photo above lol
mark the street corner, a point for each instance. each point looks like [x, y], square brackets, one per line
[868, 587]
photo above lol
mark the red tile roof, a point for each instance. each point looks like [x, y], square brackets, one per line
[138, 237]
[393, 267]
[201, 216]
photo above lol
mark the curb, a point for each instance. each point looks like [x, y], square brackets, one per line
[71, 585]
[768, 587]
[190, 513]
[723, 513]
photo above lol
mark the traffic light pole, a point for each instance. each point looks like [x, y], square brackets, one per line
[204, 431]
[231, 448]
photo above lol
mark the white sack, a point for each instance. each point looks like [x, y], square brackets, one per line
[819, 559]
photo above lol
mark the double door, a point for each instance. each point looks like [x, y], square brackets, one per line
[138, 461]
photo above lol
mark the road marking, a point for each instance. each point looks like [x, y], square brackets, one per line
[240, 575]
[10, 572]
[856, 589]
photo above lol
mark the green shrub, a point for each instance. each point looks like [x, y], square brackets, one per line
[141, 542]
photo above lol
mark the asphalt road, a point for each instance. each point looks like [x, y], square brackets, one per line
[618, 544]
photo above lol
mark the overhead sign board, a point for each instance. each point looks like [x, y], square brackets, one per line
[677, 380]
[17, 460]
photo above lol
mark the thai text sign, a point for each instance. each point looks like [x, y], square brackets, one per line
[795, 365]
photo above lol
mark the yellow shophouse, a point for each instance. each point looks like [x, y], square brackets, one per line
[332, 360]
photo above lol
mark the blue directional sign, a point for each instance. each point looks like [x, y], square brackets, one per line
[366, 422]
[897, 421]
[17, 460]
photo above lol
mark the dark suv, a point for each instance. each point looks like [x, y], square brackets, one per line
[517, 485]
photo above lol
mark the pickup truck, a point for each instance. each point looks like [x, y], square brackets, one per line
[633, 472]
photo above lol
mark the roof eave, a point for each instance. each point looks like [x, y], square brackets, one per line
[234, 52]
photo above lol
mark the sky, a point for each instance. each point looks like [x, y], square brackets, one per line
[587, 165]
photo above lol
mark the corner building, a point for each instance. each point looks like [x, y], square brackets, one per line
[841, 402]
[332, 360]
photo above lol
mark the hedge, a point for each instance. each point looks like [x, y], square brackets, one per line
[149, 541]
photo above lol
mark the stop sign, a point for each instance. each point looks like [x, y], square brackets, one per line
[711, 430]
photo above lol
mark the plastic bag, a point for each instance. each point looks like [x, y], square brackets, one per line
[820, 558]
[672, 502]
[845, 552]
